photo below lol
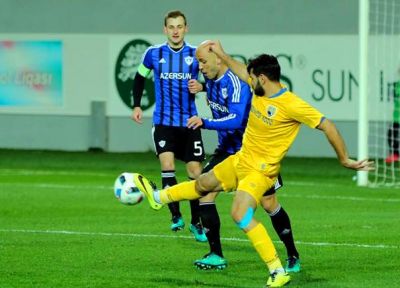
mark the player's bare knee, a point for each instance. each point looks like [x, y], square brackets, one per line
[204, 184]
[201, 185]
[168, 166]
[210, 197]
[270, 203]
[193, 169]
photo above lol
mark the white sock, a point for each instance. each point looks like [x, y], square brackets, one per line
[156, 195]
[279, 271]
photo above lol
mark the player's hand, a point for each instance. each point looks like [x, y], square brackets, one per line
[216, 47]
[362, 165]
[194, 122]
[137, 114]
[195, 86]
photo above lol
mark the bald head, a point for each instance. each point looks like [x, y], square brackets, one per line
[210, 64]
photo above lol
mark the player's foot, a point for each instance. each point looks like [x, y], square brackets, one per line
[198, 232]
[211, 261]
[278, 280]
[147, 188]
[177, 223]
[392, 158]
[292, 264]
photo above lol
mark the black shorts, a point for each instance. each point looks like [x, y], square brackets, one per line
[186, 144]
[220, 156]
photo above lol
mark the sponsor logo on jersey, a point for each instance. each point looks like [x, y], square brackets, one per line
[224, 92]
[219, 107]
[177, 76]
[260, 116]
[189, 60]
[271, 111]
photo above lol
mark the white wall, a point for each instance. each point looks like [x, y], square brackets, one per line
[88, 75]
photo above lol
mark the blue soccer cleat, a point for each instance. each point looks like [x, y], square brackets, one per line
[292, 264]
[198, 232]
[211, 261]
[177, 223]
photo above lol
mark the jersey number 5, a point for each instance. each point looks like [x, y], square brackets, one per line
[198, 150]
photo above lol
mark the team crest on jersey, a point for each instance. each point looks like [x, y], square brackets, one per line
[224, 92]
[162, 143]
[271, 111]
[189, 60]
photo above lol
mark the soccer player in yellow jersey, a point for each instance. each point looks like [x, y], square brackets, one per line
[274, 121]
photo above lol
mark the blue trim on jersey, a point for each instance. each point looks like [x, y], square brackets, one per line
[229, 100]
[280, 92]
[172, 72]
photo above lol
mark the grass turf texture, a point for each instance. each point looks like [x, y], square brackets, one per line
[60, 226]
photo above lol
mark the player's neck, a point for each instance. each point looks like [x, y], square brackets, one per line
[176, 46]
[222, 71]
[273, 89]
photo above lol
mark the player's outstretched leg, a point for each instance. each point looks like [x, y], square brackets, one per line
[147, 188]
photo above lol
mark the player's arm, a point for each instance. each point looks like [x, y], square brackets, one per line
[337, 142]
[196, 86]
[137, 92]
[238, 99]
[230, 122]
[237, 67]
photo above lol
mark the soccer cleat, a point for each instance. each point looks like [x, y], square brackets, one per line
[392, 158]
[278, 280]
[292, 264]
[147, 188]
[211, 261]
[198, 232]
[177, 223]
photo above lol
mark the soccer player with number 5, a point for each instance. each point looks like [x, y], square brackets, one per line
[174, 64]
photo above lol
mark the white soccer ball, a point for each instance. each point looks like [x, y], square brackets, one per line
[126, 191]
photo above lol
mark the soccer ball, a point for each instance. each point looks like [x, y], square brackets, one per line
[126, 191]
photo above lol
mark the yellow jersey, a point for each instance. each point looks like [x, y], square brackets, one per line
[271, 129]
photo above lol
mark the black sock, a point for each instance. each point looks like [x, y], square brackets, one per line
[194, 210]
[281, 222]
[168, 179]
[211, 223]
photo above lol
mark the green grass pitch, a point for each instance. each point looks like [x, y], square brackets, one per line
[60, 226]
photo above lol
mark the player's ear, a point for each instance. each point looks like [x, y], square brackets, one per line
[165, 30]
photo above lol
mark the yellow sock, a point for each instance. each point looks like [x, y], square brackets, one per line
[182, 191]
[264, 246]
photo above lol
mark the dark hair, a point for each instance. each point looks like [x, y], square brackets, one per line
[174, 14]
[267, 65]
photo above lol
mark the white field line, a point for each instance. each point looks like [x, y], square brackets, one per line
[28, 172]
[109, 188]
[136, 235]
